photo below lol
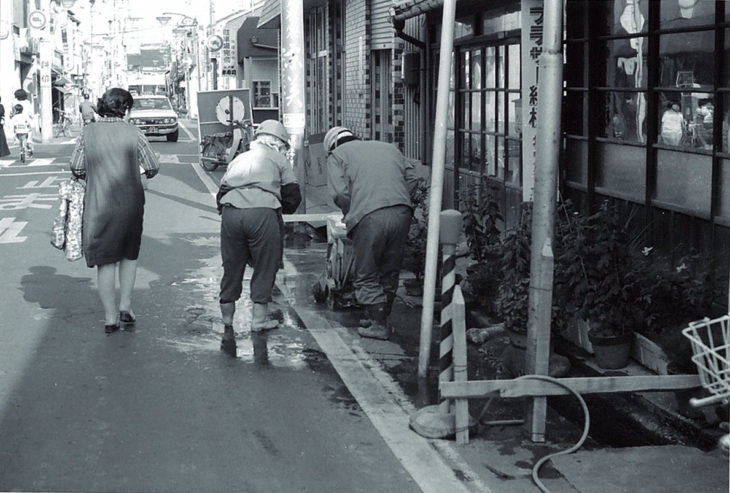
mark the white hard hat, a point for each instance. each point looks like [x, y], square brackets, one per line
[333, 135]
[273, 127]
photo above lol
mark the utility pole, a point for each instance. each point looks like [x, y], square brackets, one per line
[292, 83]
[45, 55]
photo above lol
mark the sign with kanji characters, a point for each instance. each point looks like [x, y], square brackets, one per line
[532, 26]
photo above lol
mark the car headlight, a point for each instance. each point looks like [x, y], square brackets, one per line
[169, 120]
[134, 121]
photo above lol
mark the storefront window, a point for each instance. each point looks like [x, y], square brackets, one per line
[624, 116]
[674, 14]
[262, 94]
[687, 59]
[619, 17]
[686, 120]
[626, 62]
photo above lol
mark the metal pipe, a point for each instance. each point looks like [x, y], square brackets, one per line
[437, 185]
[550, 92]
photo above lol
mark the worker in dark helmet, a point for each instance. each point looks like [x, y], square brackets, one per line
[371, 182]
[258, 186]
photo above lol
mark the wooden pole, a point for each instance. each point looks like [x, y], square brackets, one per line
[550, 92]
[437, 186]
[461, 406]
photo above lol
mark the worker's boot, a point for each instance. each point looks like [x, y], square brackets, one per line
[228, 341]
[260, 320]
[379, 327]
[365, 320]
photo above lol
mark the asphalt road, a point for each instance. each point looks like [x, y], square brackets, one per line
[161, 408]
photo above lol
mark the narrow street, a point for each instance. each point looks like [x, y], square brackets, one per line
[163, 408]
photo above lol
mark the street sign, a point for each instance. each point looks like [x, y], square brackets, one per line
[214, 42]
[37, 19]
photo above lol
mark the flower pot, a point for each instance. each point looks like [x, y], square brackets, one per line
[612, 352]
[413, 287]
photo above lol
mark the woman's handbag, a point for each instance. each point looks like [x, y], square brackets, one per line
[66, 230]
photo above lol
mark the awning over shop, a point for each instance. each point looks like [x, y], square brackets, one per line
[271, 12]
[61, 81]
[405, 9]
[256, 42]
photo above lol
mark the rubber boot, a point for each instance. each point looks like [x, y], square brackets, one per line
[365, 320]
[260, 320]
[228, 341]
[379, 327]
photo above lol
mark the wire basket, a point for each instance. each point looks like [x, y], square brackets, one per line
[711, 347]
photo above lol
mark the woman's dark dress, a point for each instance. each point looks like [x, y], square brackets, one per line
[114, 200]
[4, 150]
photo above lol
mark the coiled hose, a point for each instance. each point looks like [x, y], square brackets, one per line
[578, 444]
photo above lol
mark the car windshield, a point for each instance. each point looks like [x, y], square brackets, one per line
[151, 104]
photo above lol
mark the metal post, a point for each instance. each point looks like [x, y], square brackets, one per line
[437, 185]
[292, 83]
[543, 209]
[449, 236]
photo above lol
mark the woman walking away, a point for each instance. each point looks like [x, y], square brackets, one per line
[258, 185]
[109, 154]
[4, 150]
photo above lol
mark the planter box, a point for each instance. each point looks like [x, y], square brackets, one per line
[649, 354]
[577, 333]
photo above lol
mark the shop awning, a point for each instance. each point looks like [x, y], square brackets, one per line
[270, 17]
[405, 9]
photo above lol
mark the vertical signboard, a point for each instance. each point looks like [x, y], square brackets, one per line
[531, 42]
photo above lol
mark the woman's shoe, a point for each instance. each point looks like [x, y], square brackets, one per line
[127, 318]
[108, 329]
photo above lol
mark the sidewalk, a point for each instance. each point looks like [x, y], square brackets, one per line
[502, 457]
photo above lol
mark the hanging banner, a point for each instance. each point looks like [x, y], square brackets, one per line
[531, 42]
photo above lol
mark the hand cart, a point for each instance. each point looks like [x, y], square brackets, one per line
[224, 126]
[336, 281]
[711, 353]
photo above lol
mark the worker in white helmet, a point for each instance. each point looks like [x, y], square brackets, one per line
[371, 182]
[257, 187]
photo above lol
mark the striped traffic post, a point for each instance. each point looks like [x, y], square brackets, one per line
[448, 237]
[439, 420]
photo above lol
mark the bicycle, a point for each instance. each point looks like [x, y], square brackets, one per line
[25, 150]
[711, 354]
[63, 125]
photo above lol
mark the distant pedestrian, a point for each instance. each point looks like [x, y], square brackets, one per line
[371, 182]
[258, 186]
[4, 150]
[22, 127]
[109, 155]
[88, 110]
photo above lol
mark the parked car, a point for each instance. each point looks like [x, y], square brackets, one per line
[155, 116]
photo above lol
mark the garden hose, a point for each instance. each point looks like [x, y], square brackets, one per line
[578, 444]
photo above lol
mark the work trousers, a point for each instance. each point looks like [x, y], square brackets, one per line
[378, 241]
[250, 236]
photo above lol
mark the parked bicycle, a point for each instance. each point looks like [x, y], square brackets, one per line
[63, 127]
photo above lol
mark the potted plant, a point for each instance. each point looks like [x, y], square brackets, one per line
[414, 254]
[600, 282]
[514, 287]
[483, 225]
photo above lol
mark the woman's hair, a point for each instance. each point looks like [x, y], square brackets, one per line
[115, 102]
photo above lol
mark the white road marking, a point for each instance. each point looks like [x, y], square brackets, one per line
[42, 162]
[169, 159]
[188, 132]
[31, 173]
[9, 230]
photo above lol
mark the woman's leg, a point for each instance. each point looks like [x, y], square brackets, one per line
[127, 276]
[106, 280]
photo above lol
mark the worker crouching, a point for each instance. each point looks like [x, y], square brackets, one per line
[371, 182]
[257, 187]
